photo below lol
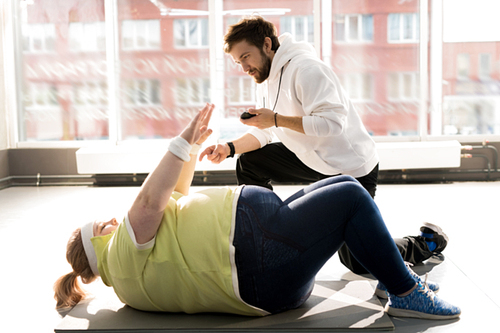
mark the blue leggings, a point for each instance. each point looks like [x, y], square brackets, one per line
[281, 246]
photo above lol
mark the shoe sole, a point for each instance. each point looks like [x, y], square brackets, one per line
[436, 229]
[381, 293]
[416, 314]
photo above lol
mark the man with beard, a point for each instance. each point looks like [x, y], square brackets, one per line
[301, 102]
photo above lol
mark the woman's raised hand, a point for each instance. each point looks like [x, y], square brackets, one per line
[197, 130]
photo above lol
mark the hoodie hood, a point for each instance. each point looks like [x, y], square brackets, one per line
[288, 49]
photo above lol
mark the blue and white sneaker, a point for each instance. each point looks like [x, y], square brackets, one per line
[421, 303]
[381, 290]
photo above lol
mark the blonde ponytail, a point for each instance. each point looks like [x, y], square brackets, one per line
[67, 289]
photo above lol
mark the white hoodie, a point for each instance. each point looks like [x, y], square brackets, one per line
[335, 140]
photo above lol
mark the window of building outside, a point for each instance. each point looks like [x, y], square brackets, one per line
[484, 67]
[300, 27]
[141, 35]
[70, 90]
[39, 38]
[403, 27]
[354, 28]
[403, 86]
[359, 86]
[241, 90]
[87, 37]
[463, 66]
[191, 33]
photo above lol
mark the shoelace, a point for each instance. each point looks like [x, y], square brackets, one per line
[425, 287]
[426, 290]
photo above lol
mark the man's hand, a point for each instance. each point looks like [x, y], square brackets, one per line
[215, 153]
[264, 118]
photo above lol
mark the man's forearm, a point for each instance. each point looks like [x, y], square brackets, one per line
[245, 143]
[293, 123]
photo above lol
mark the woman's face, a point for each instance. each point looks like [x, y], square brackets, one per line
[105, 228]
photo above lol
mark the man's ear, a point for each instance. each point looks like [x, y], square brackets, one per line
[268, 45]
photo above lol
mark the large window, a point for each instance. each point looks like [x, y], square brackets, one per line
[138, 69]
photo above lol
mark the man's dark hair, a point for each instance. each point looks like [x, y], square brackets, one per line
[253, 30]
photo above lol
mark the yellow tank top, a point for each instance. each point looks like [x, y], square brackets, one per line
[188, 267]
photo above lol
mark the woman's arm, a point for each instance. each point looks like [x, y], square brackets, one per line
[146, 212]
[187, 172]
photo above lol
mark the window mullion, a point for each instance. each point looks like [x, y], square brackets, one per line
[113, 73]
[423, 70]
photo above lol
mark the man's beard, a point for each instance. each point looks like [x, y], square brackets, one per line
[263, 71]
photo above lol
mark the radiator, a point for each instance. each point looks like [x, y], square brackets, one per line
[140, 159]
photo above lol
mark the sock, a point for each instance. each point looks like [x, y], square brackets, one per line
[432, 246]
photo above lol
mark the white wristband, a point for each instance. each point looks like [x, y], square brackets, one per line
[180, 148]
[195, 149]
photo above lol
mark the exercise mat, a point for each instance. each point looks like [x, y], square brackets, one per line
[333, 306]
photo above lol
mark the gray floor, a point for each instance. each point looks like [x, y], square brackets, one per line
[35, 224]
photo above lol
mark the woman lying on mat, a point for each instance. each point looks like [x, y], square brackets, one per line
[236, 250]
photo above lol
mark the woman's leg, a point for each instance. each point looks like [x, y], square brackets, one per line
[280, 246]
